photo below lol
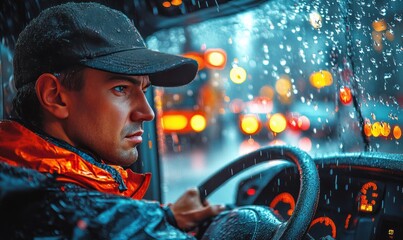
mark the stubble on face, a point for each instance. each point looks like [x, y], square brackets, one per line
[104, 122]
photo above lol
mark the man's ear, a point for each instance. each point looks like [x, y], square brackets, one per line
[49, 92]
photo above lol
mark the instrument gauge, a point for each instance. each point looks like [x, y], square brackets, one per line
[369, 197]
[322, 227]
[283, 204]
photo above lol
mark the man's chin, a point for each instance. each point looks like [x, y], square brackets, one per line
[125, 160]
[131, 158]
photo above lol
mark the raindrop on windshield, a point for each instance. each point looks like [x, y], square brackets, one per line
[352, 115]
[335, 183]
[398, 17]
[283, 62]
[387, 76]
[382, 11]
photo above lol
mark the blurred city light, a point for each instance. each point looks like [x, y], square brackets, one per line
[345, 95]
[397, 132]
[376, 129]
[304, 123]
[283, 86]
[174, 122]
[377, 40]
[379, 25]
[277, 123]
[238, 75]
[390, 35]
[315, 19]
[197, 57]
[198, 123]
[215, 58]
[296, 122]
[250, 124]
[293, 122]
[248, 146]
[321, 79]
[183, 121]
[277, 142]
[368, 128]
[385, 129]
[260, 105]
[267, 91]
[236, 105]
[305, 144]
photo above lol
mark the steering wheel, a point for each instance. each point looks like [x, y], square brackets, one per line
[259, 222]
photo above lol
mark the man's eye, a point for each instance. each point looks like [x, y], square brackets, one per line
[120, 89]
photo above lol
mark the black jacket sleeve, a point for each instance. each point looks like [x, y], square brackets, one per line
[34, 205]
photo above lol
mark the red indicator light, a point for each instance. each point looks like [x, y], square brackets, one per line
[251, 191]
[347, 222]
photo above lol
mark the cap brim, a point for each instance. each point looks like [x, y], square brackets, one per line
[165, 70]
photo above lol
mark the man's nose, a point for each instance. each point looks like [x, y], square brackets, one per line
[142, 110]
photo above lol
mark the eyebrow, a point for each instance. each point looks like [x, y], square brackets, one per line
[133, 79]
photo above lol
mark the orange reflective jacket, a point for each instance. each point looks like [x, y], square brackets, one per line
[22, 147]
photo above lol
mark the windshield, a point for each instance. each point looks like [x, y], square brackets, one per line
[320, 75]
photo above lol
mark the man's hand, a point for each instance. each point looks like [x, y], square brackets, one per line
[189, 211]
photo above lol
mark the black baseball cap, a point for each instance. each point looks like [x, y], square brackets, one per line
[96, 36]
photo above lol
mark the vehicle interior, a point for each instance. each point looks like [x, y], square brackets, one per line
[297, 106]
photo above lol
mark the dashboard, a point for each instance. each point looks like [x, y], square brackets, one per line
[355, 202]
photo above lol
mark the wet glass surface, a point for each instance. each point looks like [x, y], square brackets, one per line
[324, 76]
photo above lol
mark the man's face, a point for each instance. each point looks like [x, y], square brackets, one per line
[106, 116]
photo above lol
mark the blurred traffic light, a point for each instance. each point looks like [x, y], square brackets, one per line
[250, 124]
[183, 121]
[277, 123]
[215, 58]
[211, 58]
[238, 75]
[197, 57]
[321, 79]
[345, 95]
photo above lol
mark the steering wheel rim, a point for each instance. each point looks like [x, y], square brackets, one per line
[296, 226]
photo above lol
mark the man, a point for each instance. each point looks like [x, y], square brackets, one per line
[81, 70]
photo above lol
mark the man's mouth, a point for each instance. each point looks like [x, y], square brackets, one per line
[135, 137]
